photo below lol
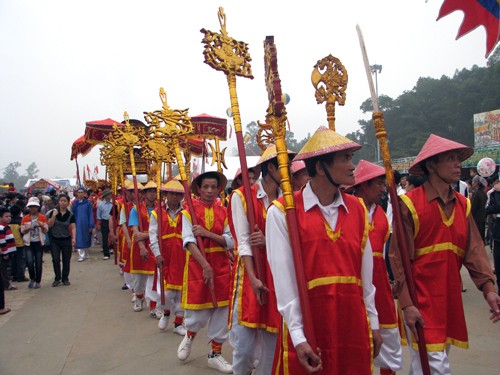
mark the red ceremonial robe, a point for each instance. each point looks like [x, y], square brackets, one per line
[137, 264]
[332, 261]
[195, 293]
[378, 234]
[440, 244]
[173, 254]
[250, 313]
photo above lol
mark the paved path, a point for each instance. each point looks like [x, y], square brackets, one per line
[90, 327]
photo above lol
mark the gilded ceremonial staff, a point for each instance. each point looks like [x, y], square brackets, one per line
[276, 122]
[126, 137]
[231, 57]
[329, 78]
[218, 157]
[176, 125]
[381, 134]
[158, 148]
[113, 162]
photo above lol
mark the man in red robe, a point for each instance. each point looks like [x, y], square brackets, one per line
[172, 257]
[125, 235]
[201, 274]
[442, 236]
[338, 264]
[370, 187]
[254, 318]
[142, 261]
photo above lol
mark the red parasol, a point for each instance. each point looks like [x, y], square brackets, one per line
[95, 133]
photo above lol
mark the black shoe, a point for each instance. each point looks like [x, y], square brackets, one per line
[66, 282]
[124, 287]
[56, 283]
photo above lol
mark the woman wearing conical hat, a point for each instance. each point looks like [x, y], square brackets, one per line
[442, 236]
[337, 262]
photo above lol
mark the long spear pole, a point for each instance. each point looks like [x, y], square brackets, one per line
[381, 134]
[277, 119]
[230, 56]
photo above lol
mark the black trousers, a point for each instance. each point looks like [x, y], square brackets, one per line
[4, 266]
[18, 264]
[61, 247]
[34, 259]
[104, 239]
[2, 294]
[496, 261]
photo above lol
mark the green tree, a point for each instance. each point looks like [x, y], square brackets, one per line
[10, 173]
[32, 171]
[442, 106]
[494, 57]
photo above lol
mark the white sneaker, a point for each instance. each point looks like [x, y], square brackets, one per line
[81, 259]
[163, 323]
[217, 362]
[158, 313]
[180, 330]
[184, 349]
[138, 304]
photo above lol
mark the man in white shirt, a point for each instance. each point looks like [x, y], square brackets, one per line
[254, 317]
[337, 261]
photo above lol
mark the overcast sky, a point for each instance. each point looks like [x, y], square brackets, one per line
[65, 62]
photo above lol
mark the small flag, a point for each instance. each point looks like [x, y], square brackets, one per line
[476, 13]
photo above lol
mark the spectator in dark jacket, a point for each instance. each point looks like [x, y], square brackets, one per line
[494, 209]
[478, 203]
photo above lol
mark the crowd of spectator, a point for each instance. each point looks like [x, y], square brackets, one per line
[32, 224]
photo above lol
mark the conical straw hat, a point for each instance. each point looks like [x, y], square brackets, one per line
[325, 141]
[366, 171]
[437, 145]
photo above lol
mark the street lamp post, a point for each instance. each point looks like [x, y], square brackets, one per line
[375, 69]
[375, 150]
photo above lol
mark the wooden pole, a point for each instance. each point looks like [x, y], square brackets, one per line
[160, 229]
[381, 134]
[277, 120]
